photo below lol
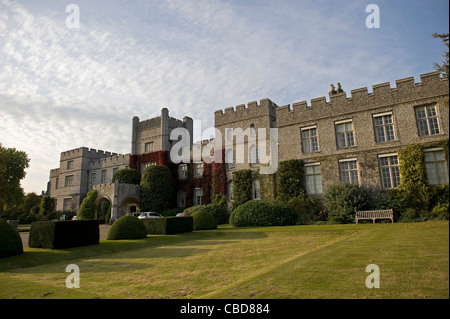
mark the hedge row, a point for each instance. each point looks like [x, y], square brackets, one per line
[259, 213]
[168, 225]
[64, 234]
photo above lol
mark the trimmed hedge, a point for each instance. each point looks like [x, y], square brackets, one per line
[64, 234]
[259, 213]
[219, 211]
[203, 220]
[156, 191]
[10, 241]
[128, 176]
[168, 225]
[127, 227]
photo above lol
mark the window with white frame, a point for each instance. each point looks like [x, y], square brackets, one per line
[427, 120]
[181, 199]
[348, 169]
[198, 196]
[68, 181]
[183, 171]
[436, 166]
[313, 178]
[384, 127]
[256, 189]
[310, 141]
[389, 170]
[198, 169]
[149, 147]
[345, 135]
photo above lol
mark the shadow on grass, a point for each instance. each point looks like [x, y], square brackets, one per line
[172, 245]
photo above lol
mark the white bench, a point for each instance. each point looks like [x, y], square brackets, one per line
[375, 214]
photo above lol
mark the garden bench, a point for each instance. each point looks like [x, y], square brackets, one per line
[375, 214]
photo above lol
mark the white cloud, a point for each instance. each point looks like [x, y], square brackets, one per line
[64, 88]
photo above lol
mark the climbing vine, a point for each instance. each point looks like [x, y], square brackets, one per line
[242, 187]
[290, 179]
[413, 186]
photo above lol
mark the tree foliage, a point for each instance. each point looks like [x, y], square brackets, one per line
[157, 191]
[343, 200]
[46, 206]
[12, 170]
[443, 68]
[87, 208]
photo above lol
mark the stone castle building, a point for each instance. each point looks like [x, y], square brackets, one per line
[353, 138]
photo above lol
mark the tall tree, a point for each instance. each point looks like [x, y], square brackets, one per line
[444, 67]
[12, 170]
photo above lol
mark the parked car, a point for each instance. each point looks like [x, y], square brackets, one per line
[74, 217]
[149, 215]
[134, 214]
[183, 214]
[66, 217]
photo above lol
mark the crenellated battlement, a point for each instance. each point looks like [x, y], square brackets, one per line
[242, 111]
[115, 160]
[431, 85]
[85, 152]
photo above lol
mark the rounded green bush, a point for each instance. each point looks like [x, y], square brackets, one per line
[10, 241]
[203, 220]
[259, 213]
[127, 227]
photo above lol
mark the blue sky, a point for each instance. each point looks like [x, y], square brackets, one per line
[63, 88]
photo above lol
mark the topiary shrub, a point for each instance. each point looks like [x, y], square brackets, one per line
[127, 227]
[157, 191]
[343, 200]
[203, 220]
[87, 208]
[10, 241]
[259, 213]
[128, 176]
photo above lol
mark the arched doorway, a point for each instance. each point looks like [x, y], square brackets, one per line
[103, 209]
[129, 205]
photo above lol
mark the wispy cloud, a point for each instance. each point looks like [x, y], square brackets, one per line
[64, 88]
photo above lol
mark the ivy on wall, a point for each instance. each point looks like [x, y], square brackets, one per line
[158, 157]
[413, 186]
[242, 187]
[290, 179]
[219, 173]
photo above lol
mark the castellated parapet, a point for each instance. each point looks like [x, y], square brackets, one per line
[406, 90]
[156, 131]
[85, 152]
[253, 110]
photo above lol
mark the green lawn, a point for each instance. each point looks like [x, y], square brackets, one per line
[326, 261]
